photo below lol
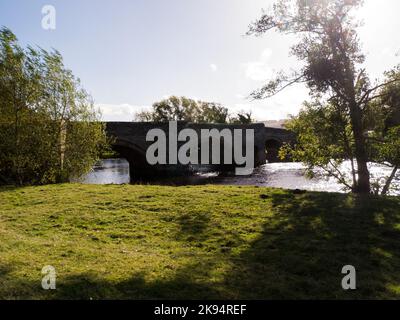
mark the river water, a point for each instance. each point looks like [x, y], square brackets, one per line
[277, 175]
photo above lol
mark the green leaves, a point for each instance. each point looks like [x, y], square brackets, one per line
[324, 140]
[329, 49]
[41, 106]
[185, 109]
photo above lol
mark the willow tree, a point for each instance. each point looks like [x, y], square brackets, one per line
[332, 69]
[19, 90]
[49, 128]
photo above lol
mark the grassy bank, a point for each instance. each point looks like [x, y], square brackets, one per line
[196, 242]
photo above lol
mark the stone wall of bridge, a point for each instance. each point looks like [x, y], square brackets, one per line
[129, 140]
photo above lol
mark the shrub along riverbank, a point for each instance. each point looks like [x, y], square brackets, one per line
[196, 242]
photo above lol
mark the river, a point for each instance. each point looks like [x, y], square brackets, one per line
[278, 175]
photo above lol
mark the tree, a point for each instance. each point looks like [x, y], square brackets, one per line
[383, 122]
[389, 99]
[389, 154]
[172, 109]
[330, 50]
[324, 141]
[242, 117]
[49, 129]
[185, 109]
[324, 138]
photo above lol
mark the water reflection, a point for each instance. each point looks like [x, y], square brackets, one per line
[108, 171]
[277, 175]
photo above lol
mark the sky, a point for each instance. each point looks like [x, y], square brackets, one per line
[132, 53]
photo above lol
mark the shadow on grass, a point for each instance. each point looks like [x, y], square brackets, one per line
[193, 226]
[8, 187]
[299, 255]
[302, 253]
[90, 286]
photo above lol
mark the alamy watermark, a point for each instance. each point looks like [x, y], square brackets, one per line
[49, 279]
[196, 149]
[49, 17]
[349, 281]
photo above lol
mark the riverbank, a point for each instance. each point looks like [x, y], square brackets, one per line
[290, 175]
[231, 242]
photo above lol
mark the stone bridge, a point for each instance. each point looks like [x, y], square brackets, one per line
[129, 140]
[274, 140]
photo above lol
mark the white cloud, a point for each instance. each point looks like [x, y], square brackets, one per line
[259, 70]
[166, 96]
[278, 107]
[213, 67]
[239, 107]
[288, 102]
[119, 112]
[240, 96]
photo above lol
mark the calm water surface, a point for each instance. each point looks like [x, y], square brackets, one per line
[277, 175]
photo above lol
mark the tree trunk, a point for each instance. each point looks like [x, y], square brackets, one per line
[363, 182]
[363, 185]
[350, 155]
[389, 181]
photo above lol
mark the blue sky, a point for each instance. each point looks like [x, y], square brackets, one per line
[131, 53]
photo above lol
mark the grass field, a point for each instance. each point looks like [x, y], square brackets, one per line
[203, 242]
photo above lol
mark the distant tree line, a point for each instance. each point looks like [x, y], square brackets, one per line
[185, 109]
[49, 129]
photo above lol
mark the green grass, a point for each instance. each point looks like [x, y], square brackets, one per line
[199, 242]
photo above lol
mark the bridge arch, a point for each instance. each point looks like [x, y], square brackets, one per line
[135, 155]
[272, 146]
